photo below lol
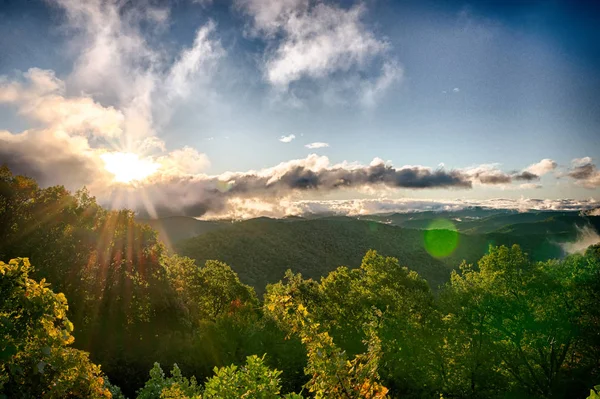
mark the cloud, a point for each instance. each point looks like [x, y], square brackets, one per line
[194, 61]
[317, 144]
[586, 236]
[118, 65]
[244, 209]
[315, 40]
[391, 72]
[52, 158]
[488, 174]
[526, 176]
[529, 186]
[456, 90]
[111, 100]
[542, 167]
[585, 172]
[287, 139]
[41, 97]
[195, 195]
[184, 161]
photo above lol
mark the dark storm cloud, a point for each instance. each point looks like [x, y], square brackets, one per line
[302, 178]
[493, 178]
[526, 176]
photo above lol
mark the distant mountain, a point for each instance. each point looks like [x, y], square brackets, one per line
[422, 219]
[176, 228]
[483, 221]
[260, 250]
[560, 224]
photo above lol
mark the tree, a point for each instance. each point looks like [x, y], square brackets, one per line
[35, 357]
[332, 374]
[174, 387]
[527, 315]
[253, 380]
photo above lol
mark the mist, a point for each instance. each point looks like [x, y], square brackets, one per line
[586, 236]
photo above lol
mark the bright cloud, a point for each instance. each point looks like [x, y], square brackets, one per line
[40, 96]
[118, 65]
[287, 139]
[316, 39]
[317, 144]
[194, 61]
[543, 167]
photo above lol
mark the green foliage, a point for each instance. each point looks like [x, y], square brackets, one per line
[174, 387]
[106, 264]
[524, 316]
[261, 250]
[35, 359]
[332, 374]
[114, 390]
[594, 393]
[253, 380]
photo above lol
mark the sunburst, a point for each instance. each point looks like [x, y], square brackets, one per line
[127, 167]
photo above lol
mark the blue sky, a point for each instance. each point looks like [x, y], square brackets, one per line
[206, 90]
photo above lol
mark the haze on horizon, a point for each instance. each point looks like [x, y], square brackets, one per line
[261, 107]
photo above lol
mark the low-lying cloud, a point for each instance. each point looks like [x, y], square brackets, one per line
[248, 208]
[586, 236]
[195, 195]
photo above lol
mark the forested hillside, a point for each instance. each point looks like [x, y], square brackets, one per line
[482, 221]
[93, 305]
[261, 250]
[176, 228]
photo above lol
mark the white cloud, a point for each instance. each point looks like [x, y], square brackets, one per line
[194, 61]
[151, 144]
[581, 161]
[118, 65]
[529, 186]
[391, 72]
[244, 209]
[184, 161]
[317, 144]
[456, 90]
[542, 167]
[287, 139]
[42, 98]
[314, 40]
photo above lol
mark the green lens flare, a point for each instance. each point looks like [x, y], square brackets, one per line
[224, 186]
[440, 238]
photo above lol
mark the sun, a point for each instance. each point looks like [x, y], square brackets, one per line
[128, 167]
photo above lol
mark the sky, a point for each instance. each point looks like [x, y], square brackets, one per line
[245, 108]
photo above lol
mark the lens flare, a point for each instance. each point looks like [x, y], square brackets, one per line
[440, 238]
[224, 186]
